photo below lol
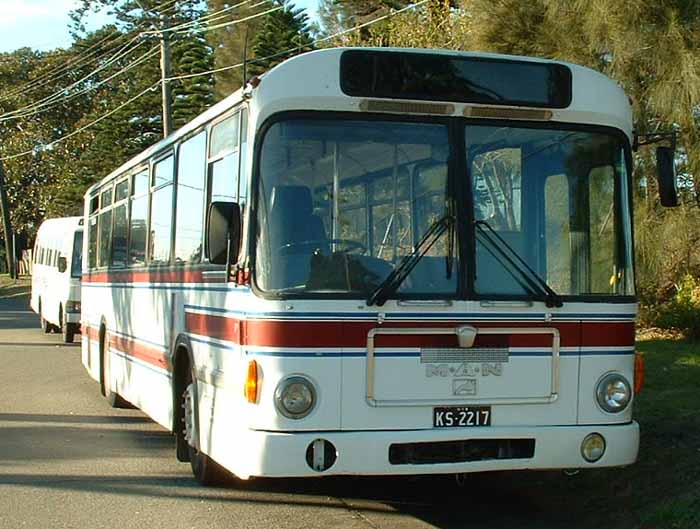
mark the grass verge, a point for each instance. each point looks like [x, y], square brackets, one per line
[662, 489]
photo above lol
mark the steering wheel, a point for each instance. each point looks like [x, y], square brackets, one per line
[351, 245]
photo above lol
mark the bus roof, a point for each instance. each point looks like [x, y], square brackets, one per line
[596, 99]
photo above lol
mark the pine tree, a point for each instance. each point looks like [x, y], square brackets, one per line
[229, 43]
[193, 95]
[283, 33]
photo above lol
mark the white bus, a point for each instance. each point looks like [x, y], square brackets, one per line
[430, 270]
[56, 275]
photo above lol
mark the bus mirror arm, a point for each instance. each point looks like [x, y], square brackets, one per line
[224, 233]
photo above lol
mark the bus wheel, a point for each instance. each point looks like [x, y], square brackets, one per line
[113, 398]
[206, 471]
[67, 329]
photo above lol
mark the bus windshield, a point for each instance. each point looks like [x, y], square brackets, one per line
[343, 202]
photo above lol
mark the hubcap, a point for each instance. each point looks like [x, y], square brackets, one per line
[188, 416]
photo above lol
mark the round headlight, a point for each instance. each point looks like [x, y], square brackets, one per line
[295, 397]
[613, 393]
[593, 447]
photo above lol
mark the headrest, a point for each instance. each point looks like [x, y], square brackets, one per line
[292, 198]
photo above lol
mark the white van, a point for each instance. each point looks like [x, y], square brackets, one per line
[56, 274]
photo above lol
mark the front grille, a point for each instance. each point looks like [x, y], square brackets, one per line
[435, 355]
[460, 451]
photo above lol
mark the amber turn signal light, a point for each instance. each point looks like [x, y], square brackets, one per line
[638, 372]
[251, 388]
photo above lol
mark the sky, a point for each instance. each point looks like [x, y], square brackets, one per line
[43, 24]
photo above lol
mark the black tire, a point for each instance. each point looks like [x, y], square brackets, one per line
[68, 332]
[113, 398]
[206, 471]
[67, 329]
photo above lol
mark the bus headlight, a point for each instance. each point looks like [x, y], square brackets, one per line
[295, 397]
[73, 306]
[613, 393]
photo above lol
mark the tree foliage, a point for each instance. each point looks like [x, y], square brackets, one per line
[280, 31]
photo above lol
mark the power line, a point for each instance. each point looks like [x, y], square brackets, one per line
[217, 15]
[153, 86]
[312, 43]
[83, 59]
[84, 127]
[224, 24]
[61, 95]
[50, 104]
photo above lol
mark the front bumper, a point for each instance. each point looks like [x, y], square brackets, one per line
[275, 454]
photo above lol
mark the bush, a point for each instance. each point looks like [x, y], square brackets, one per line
[682, 312]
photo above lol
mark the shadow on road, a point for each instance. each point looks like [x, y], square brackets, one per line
[79, 419]
[488, 501]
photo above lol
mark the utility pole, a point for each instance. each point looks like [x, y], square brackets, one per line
[165, 70]
[7, 227]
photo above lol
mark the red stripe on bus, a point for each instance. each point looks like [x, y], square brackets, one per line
[93, 333]
[354, 334]
[606, 334]
[152, 276]
[146, 353]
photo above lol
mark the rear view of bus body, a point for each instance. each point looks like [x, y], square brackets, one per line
[56, 275]
[431, 270]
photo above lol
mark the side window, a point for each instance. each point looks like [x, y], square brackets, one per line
[92, 242]
[161, 222]
[223, 160]
[138, 226]
[243, 186]
[105, 229]
[120, 230]
[104, 222]
[557, 232]
[190, 199]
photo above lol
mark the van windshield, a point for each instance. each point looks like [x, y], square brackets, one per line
[77, 258]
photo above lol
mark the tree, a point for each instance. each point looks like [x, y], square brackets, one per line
[338, 15]
[281, 31]
[229, 43]
[192, 95]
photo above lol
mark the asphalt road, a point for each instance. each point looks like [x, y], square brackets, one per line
[67, 460]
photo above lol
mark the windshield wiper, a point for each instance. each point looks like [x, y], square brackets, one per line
[533, 279]
[400, 273]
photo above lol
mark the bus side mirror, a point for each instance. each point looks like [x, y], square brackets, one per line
[62, 264]
[224, 222]
[666, 176]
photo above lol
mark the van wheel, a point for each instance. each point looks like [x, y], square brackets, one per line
[113, 398]
[67, 329]
[206, 471]
[68, 332]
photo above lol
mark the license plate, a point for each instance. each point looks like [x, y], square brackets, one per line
[461, 416]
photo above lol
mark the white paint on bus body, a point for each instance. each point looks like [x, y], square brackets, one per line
[256, 440]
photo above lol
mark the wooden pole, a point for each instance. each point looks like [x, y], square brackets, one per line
[7, 227]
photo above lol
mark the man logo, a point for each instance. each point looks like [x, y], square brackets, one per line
[464, 387]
